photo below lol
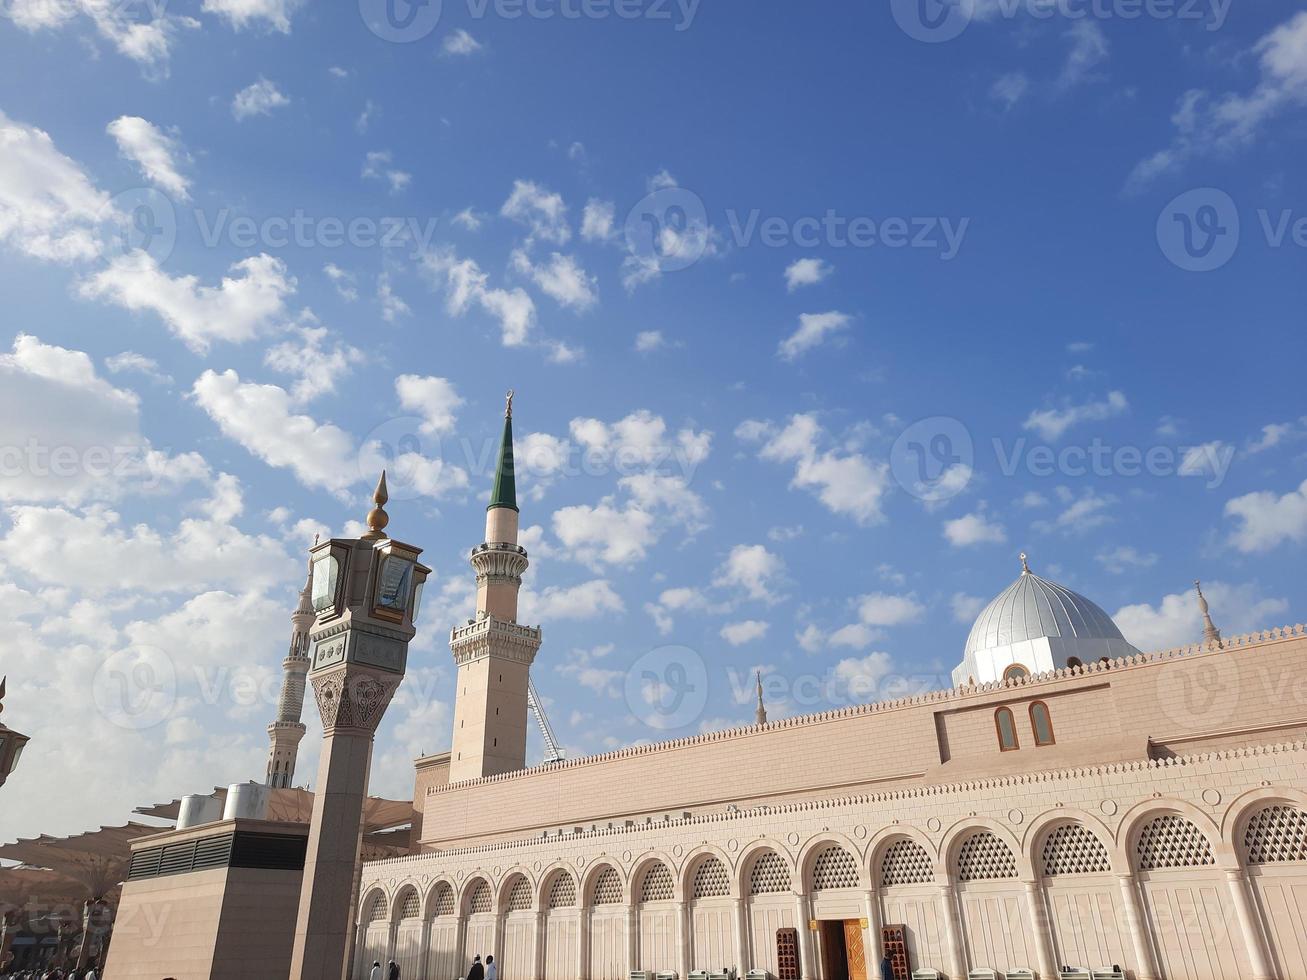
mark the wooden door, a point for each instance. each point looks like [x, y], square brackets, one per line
[853, 949]
[787, 954]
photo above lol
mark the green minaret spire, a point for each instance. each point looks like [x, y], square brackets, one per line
[505, 492]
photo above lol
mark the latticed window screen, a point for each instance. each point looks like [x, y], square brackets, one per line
[411, 907]
[1277, 833]
[480, 900]
[710, 879]
[983, 857]
[519, 896]
[1073, 849]
[906, 863]
[770, 874]
[562, 891]
[657, 885]
[608, 887]
[443, 902]
[834, 868]
[377, 910]
[1171, 841]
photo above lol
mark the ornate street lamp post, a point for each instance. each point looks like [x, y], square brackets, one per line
[11, 742]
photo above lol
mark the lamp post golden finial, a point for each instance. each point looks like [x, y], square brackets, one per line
[377, 516]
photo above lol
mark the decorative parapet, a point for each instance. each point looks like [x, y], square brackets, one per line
[867, 799]
[480, 636]
[1231, 645]
[499, 561]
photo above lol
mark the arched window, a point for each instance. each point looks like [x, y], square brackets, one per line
[519, 896]
[770, 874]
[411, 906]
[1171, 841]
[442, 901]
[608, 887]
[1015, 672]
[710, 879]
[1041, 723]
[658, 885]
[377, 910]
[479, 898]
[983, 857]
[562, 891]
[906, 863]
[1007, 730]
[834, 868]
[1276, 834]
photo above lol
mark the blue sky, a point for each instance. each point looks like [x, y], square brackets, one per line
[816, 319]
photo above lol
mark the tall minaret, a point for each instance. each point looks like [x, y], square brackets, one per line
[760, 713]
[285, 733]
[493, 653]
[1211, 635]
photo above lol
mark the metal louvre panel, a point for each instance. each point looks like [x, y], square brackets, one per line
[177, 858]
[279, 852]
[212, 852]
[145, 864]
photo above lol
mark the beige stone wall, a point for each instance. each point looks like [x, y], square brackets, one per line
[1252, 692]
[1187, 915]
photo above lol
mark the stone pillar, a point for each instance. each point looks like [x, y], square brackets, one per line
[632, 939]
[1253, 938]
[583, 944]
[1040, 928]
[683, 938]
[957, 951]
[742, 937]
[871, 935]
[806, 961]
[1145, 966]
[461, 963]
[538, 946]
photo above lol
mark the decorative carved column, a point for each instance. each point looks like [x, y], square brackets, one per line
[871, 935]
[1145, 966]
[683, 938]
[632, 939]
[538, 947]
[953, 930]
[583, 944]
[1258, 955]
[1040, 928]
[742, 937]
[806, 961]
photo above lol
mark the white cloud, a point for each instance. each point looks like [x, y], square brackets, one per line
[48, 206]
[275, 14]
[588, 600]
[1079, 514]
[258, 99]
[813, 330]
[561, 278]
[260, 418]
[973, 529]
[1051, 423]
[243, 305]
[859, 679]
[883, 609]
[1275, 434]
[1089, 48]
[1203, 125]
[858, 636]
[392, 304]
[605, 534]
[1124, 557]
[148, 42]
[737, 634]
[850, 484]
[1177, 621]
[806, 272]
[753, 570]
[965, 608]
[1009, 89]
[1267, 520]
[316, 366]
[467, 218]
[460, 42]
[345, 283]
[154, 151]
[597, 220]
[433, 398]
[130, 360]
[465, 285]
[376, 166]
[647, 341]
[540, 210]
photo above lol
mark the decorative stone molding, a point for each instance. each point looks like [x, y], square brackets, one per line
[481, 637]
[348, 698]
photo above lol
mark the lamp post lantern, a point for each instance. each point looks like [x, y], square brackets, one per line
[11, 742]
[365, 598]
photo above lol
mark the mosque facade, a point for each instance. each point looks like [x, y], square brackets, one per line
[1073, 808]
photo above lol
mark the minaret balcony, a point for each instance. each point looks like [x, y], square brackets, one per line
[490, 635]
[499, 561]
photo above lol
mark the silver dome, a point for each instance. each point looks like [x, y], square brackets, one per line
[1033, 607]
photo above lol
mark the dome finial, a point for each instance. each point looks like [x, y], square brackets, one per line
[1025, 567]
[377, 516]
[1211, 635]
[508, 404]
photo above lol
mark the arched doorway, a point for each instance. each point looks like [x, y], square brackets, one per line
[837, 905]
[562, 930]
[408, 932]
[442, 932]
[1274, 847]
[375, 946]
[1084, 898]
[1195, 929]
[772, 913]
[609, 945]
[995, 920]
[909, 896]
[712, 916]
[516, 956]
[479, 923]
[655, 891]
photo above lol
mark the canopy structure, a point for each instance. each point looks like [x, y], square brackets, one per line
[296, 806]
[96, 861]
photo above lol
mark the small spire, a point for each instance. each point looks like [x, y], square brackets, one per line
[1025, 567]
[1211, 635]
[760, 715]
[377, 516]
[504, 493]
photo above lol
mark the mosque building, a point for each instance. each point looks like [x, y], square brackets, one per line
[1072, 808]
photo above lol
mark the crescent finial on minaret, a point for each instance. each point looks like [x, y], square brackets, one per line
[1025, 566]
[508, 406]
[760, 713]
